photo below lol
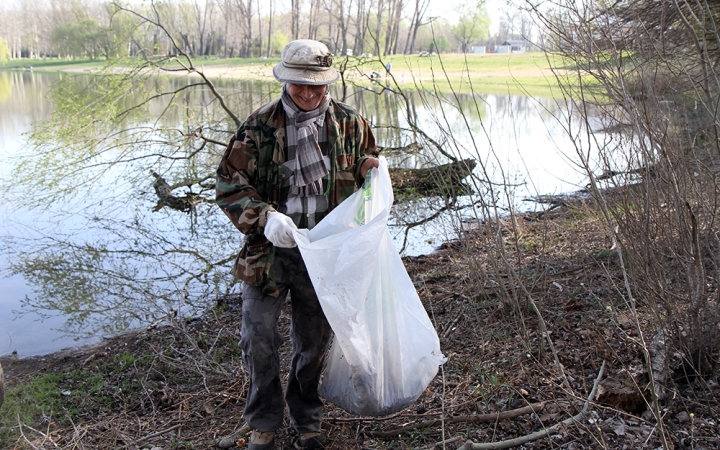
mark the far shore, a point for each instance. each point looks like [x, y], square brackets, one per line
[528, 73]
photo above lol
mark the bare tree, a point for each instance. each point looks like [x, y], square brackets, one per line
[260, 30]
[361, 23]
[202, 22]
[339, 12]
[295, 18]
[313, 19]
[393, 27]
[416, 22]
[225, 9]
[378, 26]
[270, 28]
[246, 15]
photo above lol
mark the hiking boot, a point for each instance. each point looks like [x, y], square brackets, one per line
[315, 439]
[261, 440]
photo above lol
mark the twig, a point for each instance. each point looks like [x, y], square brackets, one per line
[542, 433]
[479, 418]
[441, 443]
[77, 437]
[22, 433]
[156, 434]
[449, 328]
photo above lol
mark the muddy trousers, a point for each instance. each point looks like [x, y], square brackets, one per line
[260, 340]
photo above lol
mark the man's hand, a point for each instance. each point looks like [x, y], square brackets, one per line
[280, 230]
[367, 165]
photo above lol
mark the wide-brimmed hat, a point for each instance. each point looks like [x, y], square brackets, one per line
[306, 62]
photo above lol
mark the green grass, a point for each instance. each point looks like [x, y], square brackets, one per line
[51, 64]
[46, 398]
[58, 397]
[516, 73]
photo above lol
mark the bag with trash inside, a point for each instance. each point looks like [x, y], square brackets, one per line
[385, 351]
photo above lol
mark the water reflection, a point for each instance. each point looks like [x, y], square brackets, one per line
[98, 253]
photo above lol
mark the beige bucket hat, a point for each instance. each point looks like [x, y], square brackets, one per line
[305, 61]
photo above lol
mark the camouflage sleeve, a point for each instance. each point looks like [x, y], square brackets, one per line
[366, 147]
[235, 191]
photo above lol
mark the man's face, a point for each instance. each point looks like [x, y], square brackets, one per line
[305, 96]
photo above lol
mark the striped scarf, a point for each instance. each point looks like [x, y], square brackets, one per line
[301, 128]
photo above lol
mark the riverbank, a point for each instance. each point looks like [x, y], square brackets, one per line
[532, 73]
[182, 385]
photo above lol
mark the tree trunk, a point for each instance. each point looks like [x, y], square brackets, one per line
[260, 31]
[249, 33]
[225, 31]
[295, 18]
[270, 29]
[358, 46]
[396, 27]
[389, 29]
[413, 21]
[378, 27]
[343, 26]
[313, 19]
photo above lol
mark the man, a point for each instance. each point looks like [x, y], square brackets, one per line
[287, 166]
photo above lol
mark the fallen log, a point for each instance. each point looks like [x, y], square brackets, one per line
[444, 180]
[412, 148]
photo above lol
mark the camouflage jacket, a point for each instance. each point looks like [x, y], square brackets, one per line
[248, 178]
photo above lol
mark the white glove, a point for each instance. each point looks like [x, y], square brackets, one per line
[280, 230]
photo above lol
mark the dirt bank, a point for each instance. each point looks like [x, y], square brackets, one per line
[182, 386]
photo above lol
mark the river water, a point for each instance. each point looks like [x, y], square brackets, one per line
[101, 260]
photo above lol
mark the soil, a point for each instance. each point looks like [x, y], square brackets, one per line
[182, 385]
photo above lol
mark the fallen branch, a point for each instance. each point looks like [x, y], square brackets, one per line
[154, 435]
[441, 443]
[542, 433]
[479, 418]
[450, 326]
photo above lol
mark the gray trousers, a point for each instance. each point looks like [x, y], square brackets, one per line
[260, 340]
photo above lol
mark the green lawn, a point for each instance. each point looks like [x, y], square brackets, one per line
[489, 73]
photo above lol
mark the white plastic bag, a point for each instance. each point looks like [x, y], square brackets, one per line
[385, 351]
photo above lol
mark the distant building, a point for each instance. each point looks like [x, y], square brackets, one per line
[480, 49]
[513, 46]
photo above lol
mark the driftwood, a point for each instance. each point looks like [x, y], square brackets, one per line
[443, 180]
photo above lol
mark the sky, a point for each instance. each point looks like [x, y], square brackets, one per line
[451, 10]
[448, 9]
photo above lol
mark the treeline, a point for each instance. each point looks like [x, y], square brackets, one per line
[242, 28]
